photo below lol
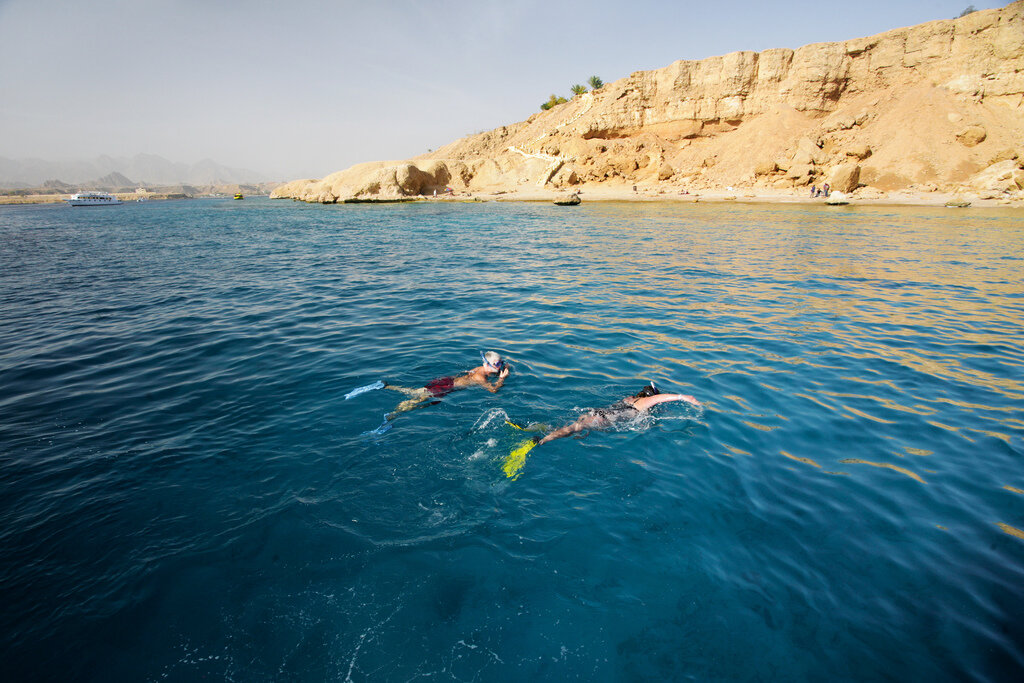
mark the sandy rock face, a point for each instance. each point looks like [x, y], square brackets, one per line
[368, 181]
[292, 189]
[1003, 176]
[928, 105]
[845, 177]
[1004, 155]
[800, 174]
[971, 136]
[565, 176]
[860, 151]
[410, 179]
[841, 122]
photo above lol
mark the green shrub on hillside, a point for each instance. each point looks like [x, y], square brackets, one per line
[553, 101]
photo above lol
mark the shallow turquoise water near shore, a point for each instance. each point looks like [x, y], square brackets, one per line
[185, 493]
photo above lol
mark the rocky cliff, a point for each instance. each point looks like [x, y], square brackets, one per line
[938, 106]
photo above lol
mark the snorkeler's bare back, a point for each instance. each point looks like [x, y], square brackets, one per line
[474, 377]
[479, 377]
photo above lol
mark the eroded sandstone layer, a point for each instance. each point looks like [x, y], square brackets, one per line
[938, 106]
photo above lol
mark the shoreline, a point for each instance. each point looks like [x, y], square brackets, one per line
[627, 194]
[125, 197]
[736, 195]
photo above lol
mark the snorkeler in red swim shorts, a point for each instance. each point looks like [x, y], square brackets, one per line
[439, 387]
[442, 386]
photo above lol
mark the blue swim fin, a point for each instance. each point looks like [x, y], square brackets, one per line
[362, 390]
[385, 426]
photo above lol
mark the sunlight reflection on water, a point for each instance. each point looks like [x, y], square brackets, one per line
[182, 473]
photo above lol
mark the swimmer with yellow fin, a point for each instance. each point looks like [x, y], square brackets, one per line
[626, 409]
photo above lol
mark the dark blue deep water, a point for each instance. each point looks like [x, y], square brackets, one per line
[185, 494]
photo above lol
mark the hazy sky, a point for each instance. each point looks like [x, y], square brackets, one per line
[307, 87]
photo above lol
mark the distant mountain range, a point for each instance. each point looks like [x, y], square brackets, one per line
[142, 169]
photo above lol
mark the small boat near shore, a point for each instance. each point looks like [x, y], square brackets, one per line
[92, 199]
[238, 195]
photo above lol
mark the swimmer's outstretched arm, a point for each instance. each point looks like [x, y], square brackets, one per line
[649, 402]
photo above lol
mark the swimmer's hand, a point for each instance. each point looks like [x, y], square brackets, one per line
[504, 372]
[690, 399]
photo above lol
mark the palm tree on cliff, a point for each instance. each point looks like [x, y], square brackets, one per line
[595, 82]
[578, 89]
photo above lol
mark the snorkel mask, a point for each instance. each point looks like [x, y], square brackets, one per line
[649, 390]
[499, 367]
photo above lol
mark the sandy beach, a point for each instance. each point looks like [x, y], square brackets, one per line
[746, 195]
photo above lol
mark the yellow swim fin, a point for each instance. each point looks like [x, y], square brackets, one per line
[535, 427]
[513, 464]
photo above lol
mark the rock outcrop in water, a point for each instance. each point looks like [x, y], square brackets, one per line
[929, 107]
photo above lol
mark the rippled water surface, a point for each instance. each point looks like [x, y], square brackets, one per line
[185, 493]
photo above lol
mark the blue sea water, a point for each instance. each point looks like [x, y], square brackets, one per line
[185, 493]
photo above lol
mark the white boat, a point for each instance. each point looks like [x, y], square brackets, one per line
[93, 199]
